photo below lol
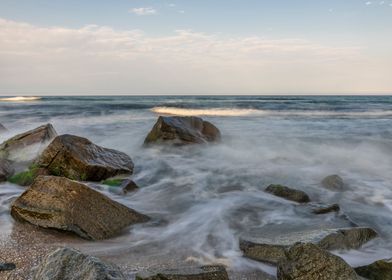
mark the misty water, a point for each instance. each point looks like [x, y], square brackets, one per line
[203, 198]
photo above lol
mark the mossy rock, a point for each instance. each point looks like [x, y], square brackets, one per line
[113, 182]
[26, 178]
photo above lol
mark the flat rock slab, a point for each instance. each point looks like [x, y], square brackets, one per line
[27, 146]
[212, 272]
[78, 158]
[60, 203]
[182, 130]
[70, 264]
[288, 193]
[379, 270]
[272, 249]
[310, 262]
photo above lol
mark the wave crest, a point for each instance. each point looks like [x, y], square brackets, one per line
[20, 98]
[205, 112]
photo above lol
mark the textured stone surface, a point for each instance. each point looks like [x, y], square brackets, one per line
[6, 169]
[326, 209]
[60, 203]
[263, 252]
[212, 272]
[333, 183]
[128, 186]
[379, 270]
[310, 262]
[70, 264]
[182, 130]
[79, 159]
[288, 193]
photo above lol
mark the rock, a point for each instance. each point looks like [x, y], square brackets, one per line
[78, 158]
[288, 193]
[70, 264]
[379, 270]
[2, 128]
[26, 178]
[326, 209]
[27, 146]
[212, 272]
[272, 249]
[333, 183]
[128, 186]
[6, 169]
[60, 203]
[182, 130]
[310, 262]
[7, 266]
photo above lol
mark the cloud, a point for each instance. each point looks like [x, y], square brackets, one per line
[368, 3]
[144, 11]
[101, 59]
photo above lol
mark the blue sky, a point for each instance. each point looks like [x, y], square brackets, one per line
[357, 33]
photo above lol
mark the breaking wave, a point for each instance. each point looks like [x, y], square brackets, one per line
[20, 98]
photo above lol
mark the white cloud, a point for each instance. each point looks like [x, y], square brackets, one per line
[144, 11]
[368, 3]
[181, 11]
[98, 58]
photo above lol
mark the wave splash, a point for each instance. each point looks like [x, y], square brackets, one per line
[20, 98]
[219, 112]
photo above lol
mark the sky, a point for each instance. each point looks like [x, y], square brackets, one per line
[52, 47]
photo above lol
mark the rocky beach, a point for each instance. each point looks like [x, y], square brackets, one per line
[196, 188]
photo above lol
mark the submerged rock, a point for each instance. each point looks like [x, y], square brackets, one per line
[182, 130]
[326, 209]
[70, 264]
[7, 266]
[212, 272]
[310, 262]
[78, 158]
[333, 183]
[288, 193]
[128, 186]
[271, 250]
[60, 203]
[379, 270]
[25, 147]
[6, 169]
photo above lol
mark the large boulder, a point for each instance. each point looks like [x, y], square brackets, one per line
[70, 264]
[25, 147]
[288, 193]
[272, 249]
[182, 130]
[333, 183]
[379, 270]
[60, 203]
[6, 169]
[310, 262]
[212, 272]
[78, 158]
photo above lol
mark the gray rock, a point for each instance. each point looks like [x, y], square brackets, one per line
[310, 262]
[25, 147]
[128, 186]
[7, 266]
[379, 270]
[6, 169]
[212, 272]
[288, 193]
[263, 252]
[60, 203]
[70, 264]
[78, 158]
[182, 130]
[333, 183]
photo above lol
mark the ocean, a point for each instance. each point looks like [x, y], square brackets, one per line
[204, 198]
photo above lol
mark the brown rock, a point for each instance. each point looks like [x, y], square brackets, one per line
[6, 169]
[288, 193]
[128, 186]
[326, 209]
[212, 272]
[182, 130]
[60, 203]
[79, 159]
[379, 270]
[262, 252]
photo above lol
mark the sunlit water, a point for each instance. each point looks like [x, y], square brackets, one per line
[203, 198]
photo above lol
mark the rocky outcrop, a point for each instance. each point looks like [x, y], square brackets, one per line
[78, 158]
[271, 250]
[212, 272]
[310, 262]
[6, 169]
[333, 183]
[379, 270]
[182, 130]
[27, 146]
[70, 264]
[288, 193]
[60, 203]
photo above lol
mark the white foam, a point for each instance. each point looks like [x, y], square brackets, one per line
[205, 112]
[20, 98]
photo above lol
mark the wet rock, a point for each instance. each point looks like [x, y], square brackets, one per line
[70, 264]
[27, 146]
[326, 209]
[78, 158]
[7, 266]
[288, 193]
[2, 128]
[60, 203]
[379, 270]
[212, 272]
[128, 186]
[310, 262]
[182, 130]
[333, 183]
[6, 169]
[272, 249]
